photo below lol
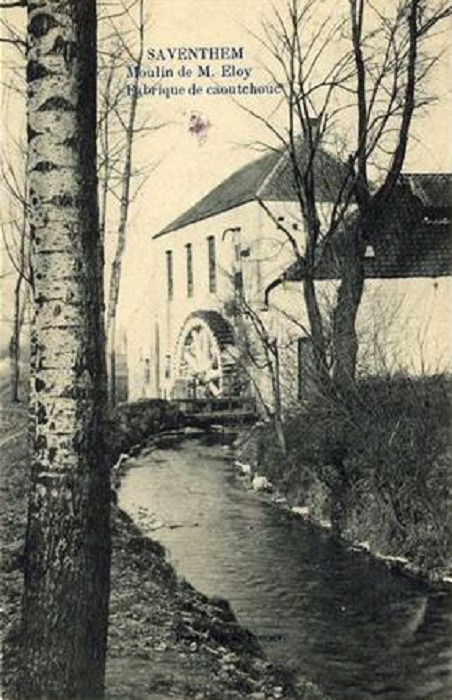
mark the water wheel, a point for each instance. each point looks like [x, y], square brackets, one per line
[205, 359]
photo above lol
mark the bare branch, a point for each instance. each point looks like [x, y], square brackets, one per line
[13, 3]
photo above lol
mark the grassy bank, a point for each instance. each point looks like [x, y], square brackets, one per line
[166, 640]
[375, 466]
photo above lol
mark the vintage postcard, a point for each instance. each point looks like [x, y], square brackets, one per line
[226, 349]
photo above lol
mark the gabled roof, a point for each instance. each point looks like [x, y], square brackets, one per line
[269, 178]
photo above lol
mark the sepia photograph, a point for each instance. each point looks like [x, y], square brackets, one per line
[226, 349]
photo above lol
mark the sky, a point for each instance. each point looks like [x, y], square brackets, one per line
[188, 169]
[183, 167]
[191, 169]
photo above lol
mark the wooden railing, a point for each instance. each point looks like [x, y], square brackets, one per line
[227, 406]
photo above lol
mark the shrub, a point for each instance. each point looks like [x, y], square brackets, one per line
[382, 452]
[132, 423]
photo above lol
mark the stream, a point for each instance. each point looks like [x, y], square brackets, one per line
[353, 627]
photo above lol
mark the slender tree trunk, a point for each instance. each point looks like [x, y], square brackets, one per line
[112, 357]
[277, 416]
[106, 164]
[14, 346]
[19, 308]
[321, 380]
[115, 279]
[21, 303]
[351, 287]
[67, 552]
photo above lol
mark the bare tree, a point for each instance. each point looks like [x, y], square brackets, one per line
[258, 354]
[12, 4]
[14, 223]
[16, 243]
[120, 127]
[117, 166]
[375, 77]
[67, 551]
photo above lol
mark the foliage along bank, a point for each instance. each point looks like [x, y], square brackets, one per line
[374, 466]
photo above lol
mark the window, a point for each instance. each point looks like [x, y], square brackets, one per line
[169, 274]
[189, 257]
[212, 265]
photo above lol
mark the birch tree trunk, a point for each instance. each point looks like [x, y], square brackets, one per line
[67, 552]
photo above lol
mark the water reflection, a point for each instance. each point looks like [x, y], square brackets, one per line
[354, 628]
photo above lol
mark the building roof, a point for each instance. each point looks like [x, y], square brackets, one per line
[269, 178]
[423, 252]
[434, 190]
[414, 238]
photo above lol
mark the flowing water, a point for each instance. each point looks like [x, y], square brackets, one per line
[349, 625]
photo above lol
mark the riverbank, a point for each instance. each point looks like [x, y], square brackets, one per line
[166, 640]
[267, 491]
[376, 472]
